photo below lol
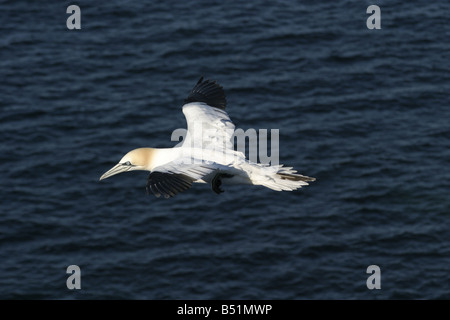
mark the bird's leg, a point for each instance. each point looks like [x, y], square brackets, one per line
[215, 184]
[217, 181]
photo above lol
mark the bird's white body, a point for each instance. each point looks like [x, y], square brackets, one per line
[207, 161]
[206, 154]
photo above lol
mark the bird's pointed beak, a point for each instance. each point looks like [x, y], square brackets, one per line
[118, 168]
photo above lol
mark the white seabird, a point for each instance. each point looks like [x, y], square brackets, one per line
[206, 154]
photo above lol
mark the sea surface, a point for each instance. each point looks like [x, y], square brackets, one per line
[365, 111]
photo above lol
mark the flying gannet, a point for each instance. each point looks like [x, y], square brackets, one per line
[206, 154]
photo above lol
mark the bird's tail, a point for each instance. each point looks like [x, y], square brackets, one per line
[283, 179]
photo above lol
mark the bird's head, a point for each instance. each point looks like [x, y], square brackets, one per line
[137, 159]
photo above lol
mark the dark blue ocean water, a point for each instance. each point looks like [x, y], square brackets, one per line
[364, 111]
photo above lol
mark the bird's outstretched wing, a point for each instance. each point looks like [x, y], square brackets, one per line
[208, 124]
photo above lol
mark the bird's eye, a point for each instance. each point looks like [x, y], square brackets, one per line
[128, 163]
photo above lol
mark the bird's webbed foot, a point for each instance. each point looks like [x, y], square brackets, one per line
[217, 182]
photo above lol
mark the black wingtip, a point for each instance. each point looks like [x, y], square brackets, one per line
[167, 184]
[209, 92]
